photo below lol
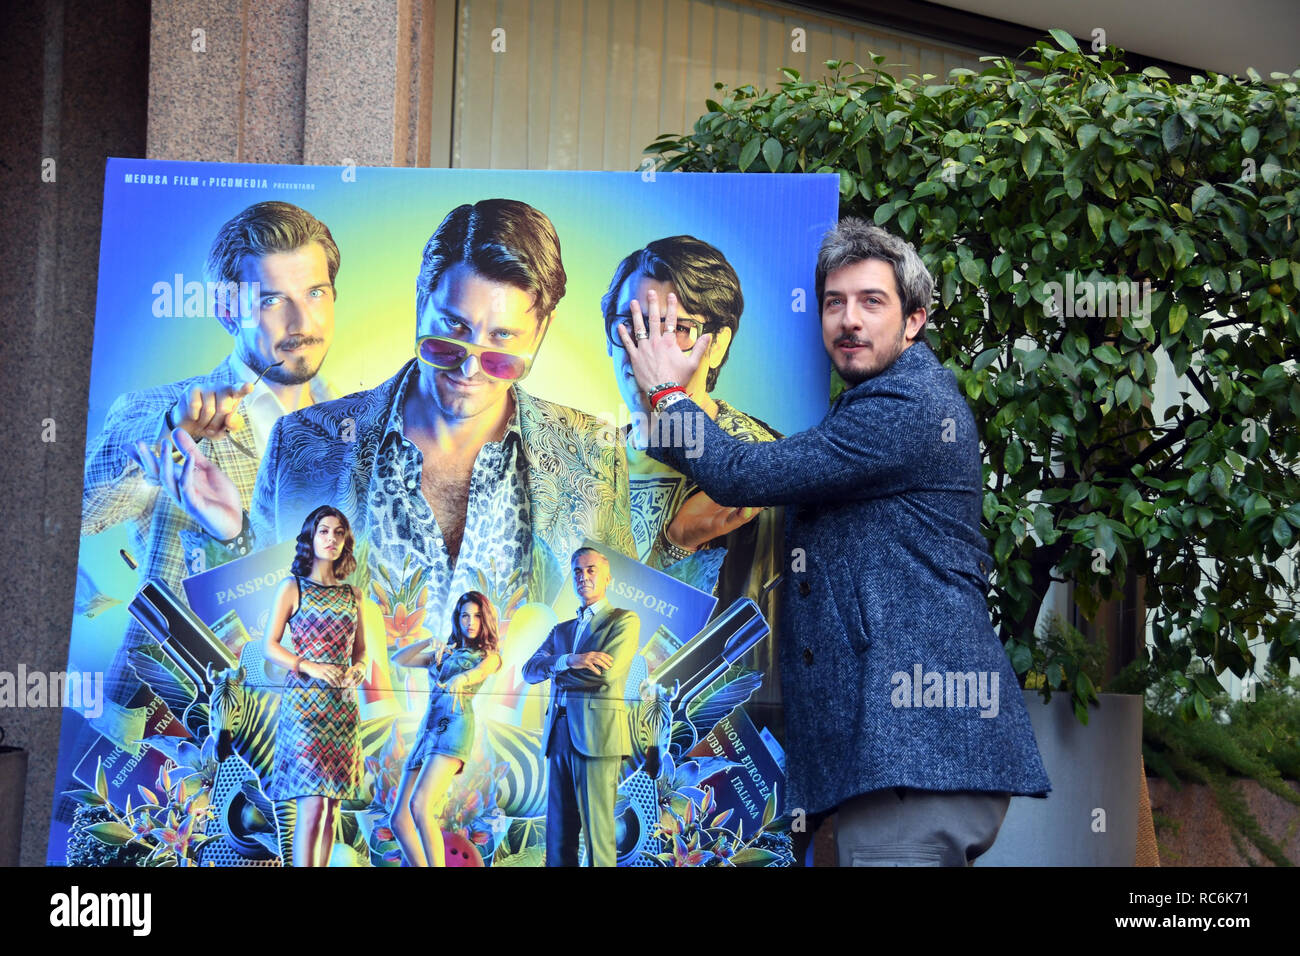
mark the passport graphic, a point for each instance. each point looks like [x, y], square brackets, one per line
[245, 586]
[745, 788]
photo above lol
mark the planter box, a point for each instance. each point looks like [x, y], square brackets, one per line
[1095, 782]
[1205, 839]
[13, 784]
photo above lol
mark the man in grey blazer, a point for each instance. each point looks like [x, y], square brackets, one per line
[902, 712]
[586, 733]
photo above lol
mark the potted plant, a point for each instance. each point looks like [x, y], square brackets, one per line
[1089, 229]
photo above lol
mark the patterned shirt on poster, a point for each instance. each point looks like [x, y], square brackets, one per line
[403, 532]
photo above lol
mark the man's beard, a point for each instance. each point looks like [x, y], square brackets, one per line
[854, 377]
[295, 370]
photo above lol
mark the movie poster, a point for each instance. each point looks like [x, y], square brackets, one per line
[540, 641]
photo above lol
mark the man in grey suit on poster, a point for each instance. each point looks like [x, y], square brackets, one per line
[586, 733]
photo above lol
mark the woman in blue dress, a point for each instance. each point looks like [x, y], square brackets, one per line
[457, 667]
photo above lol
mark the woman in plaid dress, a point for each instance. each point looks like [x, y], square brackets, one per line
[317, 746]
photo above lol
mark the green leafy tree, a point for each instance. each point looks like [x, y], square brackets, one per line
[1084, 222]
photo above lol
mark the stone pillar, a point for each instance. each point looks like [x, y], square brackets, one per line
[288, 81]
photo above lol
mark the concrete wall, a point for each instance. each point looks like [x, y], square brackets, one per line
[75, 93]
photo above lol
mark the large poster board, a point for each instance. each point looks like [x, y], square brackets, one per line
[174, 761]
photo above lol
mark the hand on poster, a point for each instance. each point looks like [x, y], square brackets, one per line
[700, 520]
[456, 688]
[594, 661]
[354, 676]
[331, 674]
[209, 413]
[195, 483]
[654, 354]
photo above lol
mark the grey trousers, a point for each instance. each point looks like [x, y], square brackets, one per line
[903, 827]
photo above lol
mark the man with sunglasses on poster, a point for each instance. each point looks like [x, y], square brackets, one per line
[902, 713]
[450, 471]
[271, 269]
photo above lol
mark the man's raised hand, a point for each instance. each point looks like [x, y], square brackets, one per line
[197, 486]
[653, 351]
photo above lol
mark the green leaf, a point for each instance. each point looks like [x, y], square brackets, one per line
[111, 832]
[772, 153]
[863, 156]
[1033, 359]
[1096, 219]
[769, 811]
[985, 359]
[1107, 353]
[1064, 40]
[1083, 684]
[906, 216]
[1202, 705]
[1044, 526]
[1219, 477]
[101, 779]
[1282, 531]
[86, 797]
[1203, 195]
[1173, 132]
[1003, 545]
[1249, 139]
[1014, 458]
[1086, 134]
[1197, 452]
[1177, 318]
[1032, 157]
[754, 856]
[749, 152]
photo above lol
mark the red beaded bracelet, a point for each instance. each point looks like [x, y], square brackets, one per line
[655, 398]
